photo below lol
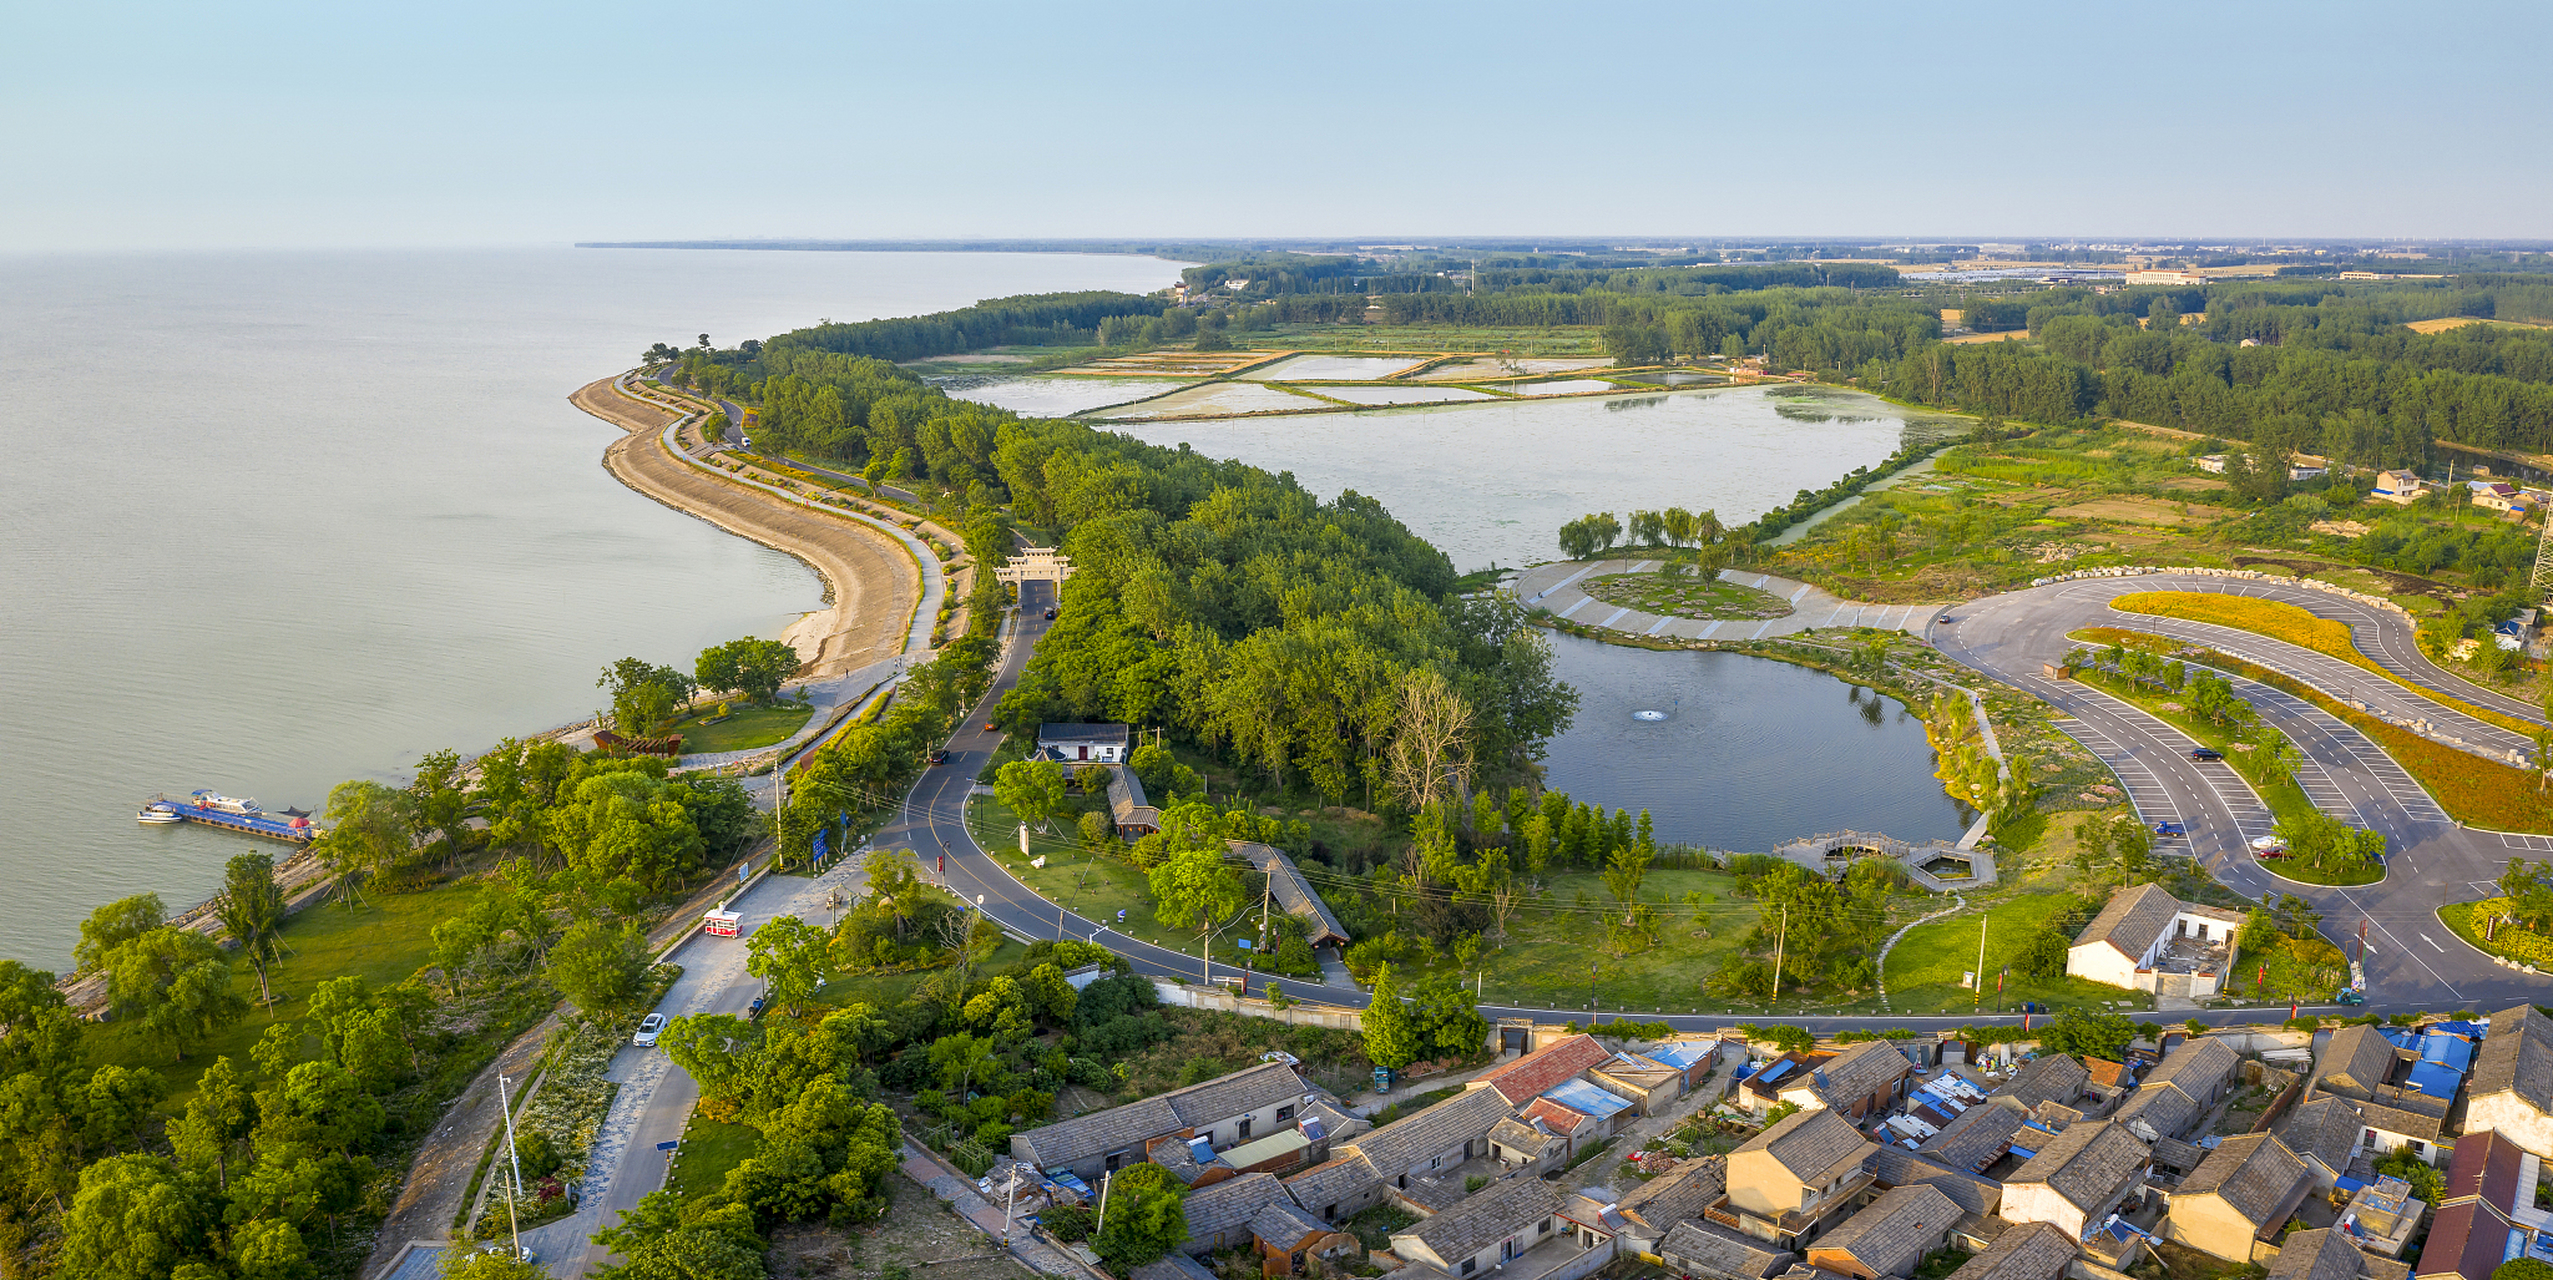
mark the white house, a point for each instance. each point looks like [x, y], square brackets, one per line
[2402, 488]
[2148, 940]
[1084, 743]
[2511, 1090]
[2077, 1177]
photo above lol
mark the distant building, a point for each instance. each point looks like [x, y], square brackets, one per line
[2402, 488]
[2213, 463]
[2183, 278]
[1085, 743]
[2477, 1213]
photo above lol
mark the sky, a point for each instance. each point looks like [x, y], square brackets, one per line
[256, 124]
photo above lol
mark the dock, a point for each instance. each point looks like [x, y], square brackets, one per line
[296, 831]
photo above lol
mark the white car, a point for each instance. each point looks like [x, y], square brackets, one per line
[522, 1253]
[647, 1030]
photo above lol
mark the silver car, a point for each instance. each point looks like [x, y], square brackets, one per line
[647, 1030]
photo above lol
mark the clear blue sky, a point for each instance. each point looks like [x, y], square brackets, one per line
[277, 124]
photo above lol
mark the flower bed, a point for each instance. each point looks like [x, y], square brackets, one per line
[2296, 626]
[2508, 942]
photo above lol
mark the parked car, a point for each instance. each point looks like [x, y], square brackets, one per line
[1945, 618]
[2206, 753]
[521, 1253]
[647, 1030]
[754, 1010]
[939, 755]
[2170, 829]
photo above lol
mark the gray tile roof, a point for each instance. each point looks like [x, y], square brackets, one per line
[1856, 1073]
[1283, 1226]
[1712, 1251]
[2325, 1129]
[1808, 1143]
[2052, 1077]
[1486, 1217]
[1975, 1139]
[1230, 1203]
[1127, 801]
[1683, 1191]
[1343, 1178]
[2325, 1254]
[2132, 919]
[1095, 734]
[2356, 1063]
[2176, 1155]
[2402, 1120]
[2196, 1067]
[1130, 1126]
[1895, 1166]
[1173, 1265]
[2168, 1110]
[1293, 892]
[2030, 1251]
[1892, 1234]
[2086, 1163]
[2517, 1057]
[2254, 1175]
[1406, 1143]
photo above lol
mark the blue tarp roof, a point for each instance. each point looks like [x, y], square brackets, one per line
[2469, 1030]
[1578, 1095]
[1682, 1053]
[2403, 1038]
[2349, 1184]
[2022, 1151]
[2433, 1080]
[1775, 1070]
[2447, 1050]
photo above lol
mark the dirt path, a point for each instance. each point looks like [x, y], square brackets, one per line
[870, 583]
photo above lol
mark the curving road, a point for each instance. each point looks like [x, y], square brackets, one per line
[2413, 961]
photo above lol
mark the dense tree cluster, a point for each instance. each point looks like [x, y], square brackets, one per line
[1028, 320]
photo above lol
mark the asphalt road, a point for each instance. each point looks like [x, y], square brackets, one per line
[2413, 962]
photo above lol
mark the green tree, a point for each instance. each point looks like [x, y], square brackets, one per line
[371, 828]
[748, 668]
[176, 984]
[135, 1217]
[1147, 1217]
[1626, 868]
[1195, 888]
[1392, 1033]
[272, 1249]
[442, 804]
[721, 1051]
[1092, 779]
[479, 1264]
[599, 967]
[251, 907]
[2093, 1035]
[790, 956]
[1444, 1019]
[217, 1120]
[1031, 789]
[115, 924]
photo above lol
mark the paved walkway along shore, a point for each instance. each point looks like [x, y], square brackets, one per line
[1557, 587]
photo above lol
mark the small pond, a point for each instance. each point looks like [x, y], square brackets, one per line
[1562, 386]
[1399, 395]
[1053, 397]
[1301, 367]
[1752, 752]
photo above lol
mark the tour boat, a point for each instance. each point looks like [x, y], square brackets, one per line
[215, 800]
[154, 813]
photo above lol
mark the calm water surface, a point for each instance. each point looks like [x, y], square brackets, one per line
[272, 521]
[1753, 752]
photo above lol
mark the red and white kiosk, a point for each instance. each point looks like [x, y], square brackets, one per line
[721, 924]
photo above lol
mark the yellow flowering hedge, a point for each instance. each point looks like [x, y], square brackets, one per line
[2508, 941]
[2289, 623]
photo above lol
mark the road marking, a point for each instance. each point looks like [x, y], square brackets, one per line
[1653, 627]
[1706, 631]
[1759, 632]
[2432, 942]
[1545, 593]
[1614, 617]
[1643, 566]
[1795, 596]
[1583, 602]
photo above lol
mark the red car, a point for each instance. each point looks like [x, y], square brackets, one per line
[939, 757]
[990, 727]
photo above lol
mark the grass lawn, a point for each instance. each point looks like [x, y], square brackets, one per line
[1686, 597]
[382, 941]
[710, 1148]
[2509, 942]
[887, 990]
[1552, 942]
[1923, 970]
[1094, 888]
[746, 729]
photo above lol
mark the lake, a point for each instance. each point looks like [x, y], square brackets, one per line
[276, 520]
[1753, 752]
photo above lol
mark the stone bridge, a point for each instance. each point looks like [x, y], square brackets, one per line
[1823, 853]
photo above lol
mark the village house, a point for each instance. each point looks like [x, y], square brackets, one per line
[2238, 1199]
[1128, 807]
[1790, 1182]
[1401, 1156]
[2327, 1254]
[1292, 893]
[2402, 488]
[2050, 1077]
[1709, 1251]
[1891, 1167]
[2077, 1177]
[2144, 939]
[1489, 1230]
[2511, 1090]
[2477, 1211]
[1889, 1237]
[2032, 1251]
[2360, 1065]
[1530, 1076]
[2324, 1134]
[1517, 1142]
[2180, 1090]
[1219, 1216]
[1287, 1238]
[1646, 1213]
[2381, 1216]
[1648, 1086]
[1864, 1079]
[1225, 1111]
[2105, 1081]
[1084, 743]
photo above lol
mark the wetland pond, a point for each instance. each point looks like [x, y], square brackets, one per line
[1750, 753]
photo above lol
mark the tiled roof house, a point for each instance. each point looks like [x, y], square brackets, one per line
[1889, 1237]
[2511, 1089]
[1254, 1102]
[2238, 1198]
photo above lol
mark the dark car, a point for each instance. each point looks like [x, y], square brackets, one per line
[2206, 753]
[754, 1010]
[939, 756]
[2170, 829]
[1050, 615]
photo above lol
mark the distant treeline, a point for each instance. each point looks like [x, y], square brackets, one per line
[1051, 319]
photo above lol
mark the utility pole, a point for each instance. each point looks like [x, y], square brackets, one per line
[1780, 941]
[1106, 1181]
[512, 1223]
[1980, 984]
